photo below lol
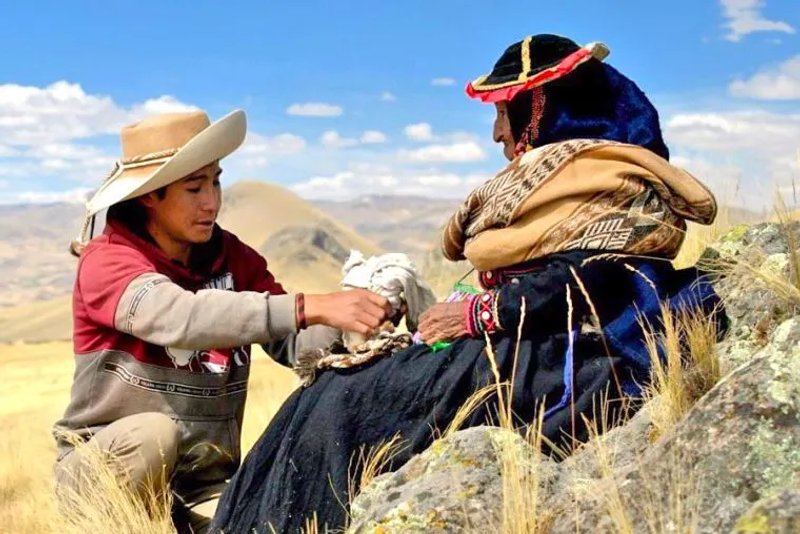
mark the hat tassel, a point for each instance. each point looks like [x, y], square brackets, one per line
[77, 245]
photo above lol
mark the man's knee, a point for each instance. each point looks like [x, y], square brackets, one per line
[142, 448]
[146, 444]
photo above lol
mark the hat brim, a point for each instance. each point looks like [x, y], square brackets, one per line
[217, 141]
[503, 92]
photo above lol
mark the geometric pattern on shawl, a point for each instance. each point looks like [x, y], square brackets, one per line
[501, 195]
[492, 204]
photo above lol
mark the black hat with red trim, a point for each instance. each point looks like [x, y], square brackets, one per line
[532, 62]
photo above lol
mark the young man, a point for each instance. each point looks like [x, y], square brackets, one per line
[166, 305]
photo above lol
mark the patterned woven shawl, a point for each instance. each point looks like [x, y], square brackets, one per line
[578, 194]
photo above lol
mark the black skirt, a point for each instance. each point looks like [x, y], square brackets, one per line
[304, 461]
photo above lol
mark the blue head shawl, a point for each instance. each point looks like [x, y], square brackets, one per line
[594, 102]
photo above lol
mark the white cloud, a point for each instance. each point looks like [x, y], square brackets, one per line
[7, 151]
[314, 109]
[361, 180]
[744, 17]
[387, 96]
[260, 151]
[439, 180]
[468, 151]
[63, 111]
[65, 161]
[420, 131]
[162, 104]
[443, 82]
[766, 133]
[756, 149]
[372, 137]
[282, 144]
[332, 139]
[69, 151]
[59, 112]
[779, 83]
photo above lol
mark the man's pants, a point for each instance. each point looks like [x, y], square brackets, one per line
[143, 449]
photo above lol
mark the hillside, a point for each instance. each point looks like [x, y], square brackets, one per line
[292, 234]
[34, 262]
[44, 320]
[255, 211]
[407, 224]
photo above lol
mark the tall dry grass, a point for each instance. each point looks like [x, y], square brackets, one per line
[685, 365]
[37, 380]
[669, 504]
[107, 502]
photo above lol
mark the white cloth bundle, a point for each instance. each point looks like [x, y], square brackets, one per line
[392, 276]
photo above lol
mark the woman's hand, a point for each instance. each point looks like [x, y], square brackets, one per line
[357, 310]
[443, 322]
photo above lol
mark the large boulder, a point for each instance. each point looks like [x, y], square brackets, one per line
[739, 444]
[454, 486]
[779, 514]
[759, 283]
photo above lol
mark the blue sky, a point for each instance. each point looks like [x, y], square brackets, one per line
[349, 98]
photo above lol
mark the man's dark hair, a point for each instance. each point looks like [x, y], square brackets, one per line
[132, 213]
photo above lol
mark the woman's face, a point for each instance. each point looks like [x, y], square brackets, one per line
[502, 130]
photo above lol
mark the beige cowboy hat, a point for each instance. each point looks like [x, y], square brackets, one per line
[160, 150]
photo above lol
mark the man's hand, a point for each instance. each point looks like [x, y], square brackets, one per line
[443, 322]
[357, 310]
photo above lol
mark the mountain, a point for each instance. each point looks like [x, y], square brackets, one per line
[255, 211]
[306, 258]
[34, 262]
[409, 224]
[304, 246]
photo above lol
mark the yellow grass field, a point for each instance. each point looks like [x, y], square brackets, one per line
[36, 382]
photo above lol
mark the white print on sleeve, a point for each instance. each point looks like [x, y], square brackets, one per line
[210, 361]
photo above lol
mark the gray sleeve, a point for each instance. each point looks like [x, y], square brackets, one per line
[156, 310]
[285, 351]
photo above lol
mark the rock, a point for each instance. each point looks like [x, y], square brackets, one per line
[779, 514]
[625, 444]
[757, 289]
[747, 241]
[454, 486]
[739, 444]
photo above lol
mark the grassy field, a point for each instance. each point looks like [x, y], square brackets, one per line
[36, 380]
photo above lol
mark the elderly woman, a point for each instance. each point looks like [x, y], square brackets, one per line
[571, 242]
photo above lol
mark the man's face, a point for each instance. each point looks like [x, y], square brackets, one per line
[186, 214]
[502, 130]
